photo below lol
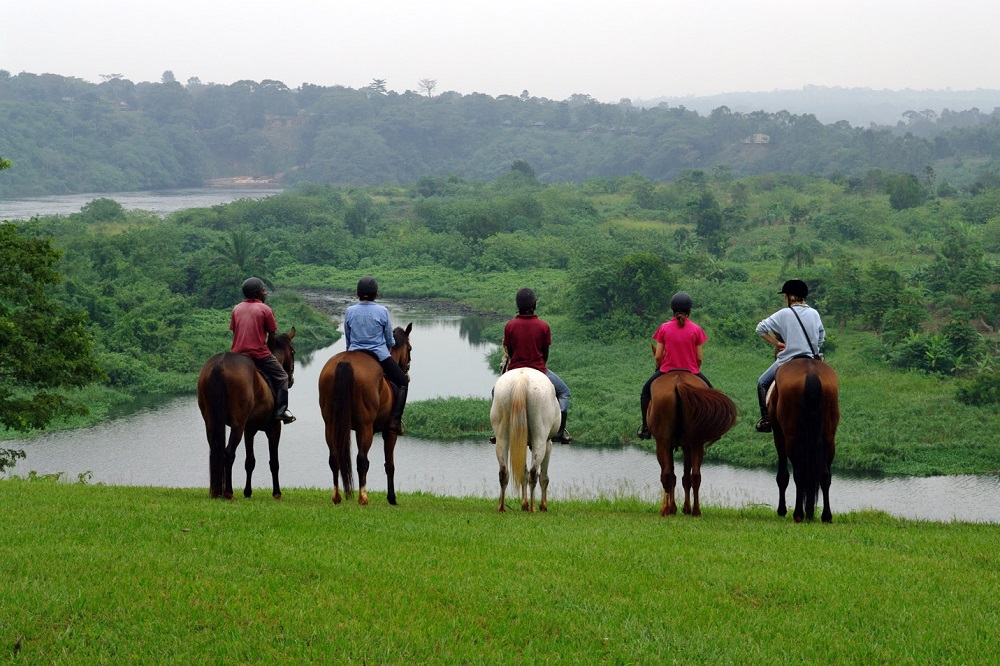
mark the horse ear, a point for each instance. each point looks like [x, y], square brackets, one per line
[291, 333]
[409, 327]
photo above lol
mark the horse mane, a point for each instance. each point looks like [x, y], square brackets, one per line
[398, 337]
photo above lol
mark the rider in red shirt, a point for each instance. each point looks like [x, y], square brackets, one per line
[253, 326]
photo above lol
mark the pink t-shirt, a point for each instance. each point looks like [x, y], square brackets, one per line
[680, 345]
[250, 323]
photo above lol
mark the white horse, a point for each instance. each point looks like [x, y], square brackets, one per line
[525, 414]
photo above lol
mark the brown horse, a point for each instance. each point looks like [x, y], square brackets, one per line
[355, 395]
[804, 411]
[685, 413]
[232, 392]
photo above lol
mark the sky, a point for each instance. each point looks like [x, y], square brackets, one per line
[614, 49]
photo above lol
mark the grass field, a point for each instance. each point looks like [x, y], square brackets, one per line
[96, 574]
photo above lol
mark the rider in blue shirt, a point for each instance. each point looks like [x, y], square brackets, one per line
[367, 328]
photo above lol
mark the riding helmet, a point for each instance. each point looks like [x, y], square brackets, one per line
[681, 302]
[795, 288]
[525, 300]
[367, 288]
[252, 286]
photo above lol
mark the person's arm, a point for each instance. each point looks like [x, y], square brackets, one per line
[659, 353]
[545, 353]
[699, 354]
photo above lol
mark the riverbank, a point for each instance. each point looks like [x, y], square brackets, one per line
[444, 580]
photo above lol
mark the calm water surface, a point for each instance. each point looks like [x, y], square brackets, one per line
[159, 202]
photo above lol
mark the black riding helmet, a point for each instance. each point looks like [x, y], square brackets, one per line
[681, 302]
[367, 288]
[795, 288]
[525, 300]
[252, 286]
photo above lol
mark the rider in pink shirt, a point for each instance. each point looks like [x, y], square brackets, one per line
[678, 347]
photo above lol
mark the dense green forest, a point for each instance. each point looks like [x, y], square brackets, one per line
[66, 135]
[908, 283]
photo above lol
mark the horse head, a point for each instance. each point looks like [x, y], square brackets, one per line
[284, 351]
[401, 348]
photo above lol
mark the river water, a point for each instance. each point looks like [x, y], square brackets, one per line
[163, 444]
[159, 202]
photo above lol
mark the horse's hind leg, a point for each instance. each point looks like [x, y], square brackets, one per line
[668, 480]
[273, 437]
[504, 474]
[389, 445]
[235, 435]
[782, 476]
[250, 464]
[364, 446]
[532, 483]
[693, 458]
[824, 482]
[543, 478]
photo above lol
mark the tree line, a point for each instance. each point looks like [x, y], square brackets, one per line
[67, 135]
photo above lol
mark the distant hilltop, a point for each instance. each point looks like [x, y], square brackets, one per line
[859, 106]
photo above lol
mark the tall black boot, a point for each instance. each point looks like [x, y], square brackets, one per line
[281, 407]
[644, 430]
[562, 437]
[396, 417]
[764, 425]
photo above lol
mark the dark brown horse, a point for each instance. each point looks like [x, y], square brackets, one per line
[804, 411]
[232, 392]
[354, 395]
[684, 413]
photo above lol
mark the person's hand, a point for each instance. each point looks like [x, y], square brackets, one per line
[780, 347]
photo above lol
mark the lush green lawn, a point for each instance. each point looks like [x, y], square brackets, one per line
[97, 574]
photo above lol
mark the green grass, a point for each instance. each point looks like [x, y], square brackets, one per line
[97, 574]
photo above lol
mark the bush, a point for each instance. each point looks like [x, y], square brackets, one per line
[980, 391]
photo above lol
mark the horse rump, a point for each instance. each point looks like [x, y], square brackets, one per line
[704, 414]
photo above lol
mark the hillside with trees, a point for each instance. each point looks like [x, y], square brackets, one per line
[65, 135]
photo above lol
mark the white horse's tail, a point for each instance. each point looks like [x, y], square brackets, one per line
[517, 433]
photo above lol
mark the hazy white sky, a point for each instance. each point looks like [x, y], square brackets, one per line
[610, 49]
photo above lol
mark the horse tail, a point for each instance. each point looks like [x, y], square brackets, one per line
[517, 432]
[343, 401]
[810, 451]
[705, 414]
[217, 400]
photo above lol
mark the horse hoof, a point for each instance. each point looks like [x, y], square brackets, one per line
[524, 506]
[336, 499]
[543, 507]
[276, 495]
[247, 493]
[228, 496]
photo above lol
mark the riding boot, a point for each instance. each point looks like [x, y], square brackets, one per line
[562, 436]
[764, 425]
[281, 407]
[644, 430]
[396, 417]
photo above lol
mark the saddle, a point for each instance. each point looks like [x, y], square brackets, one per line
[392, 387]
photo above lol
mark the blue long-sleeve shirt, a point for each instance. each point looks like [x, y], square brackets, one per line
[783, 323]
[367, 327]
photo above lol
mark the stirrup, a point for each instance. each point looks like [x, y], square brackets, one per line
[644, 434]
[763, 425]
[562, 438]
[396, 426]
[286, 418]
[493, 439]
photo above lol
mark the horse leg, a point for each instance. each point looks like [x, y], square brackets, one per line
[273, 437]
[235, 435]
[782, 477]
[799, 514]
[504, 474]
[533, 483]
[697, 452]
[667, 479]
[824, 484]
[216, 466]
[543, 477]
[364, 438]
[251, 462]
[389, 446]
[686, 480]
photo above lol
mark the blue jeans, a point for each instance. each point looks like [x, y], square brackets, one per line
[562, 391]
[765, 380]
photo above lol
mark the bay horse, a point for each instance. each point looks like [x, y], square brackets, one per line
[355, 395]
[684, 413]
[804, 409]
[525, 414]
[232, 392]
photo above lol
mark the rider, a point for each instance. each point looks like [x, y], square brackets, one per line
[526, 341]
[253, 326]
[678, 347]
[801, 334]
[367, 328]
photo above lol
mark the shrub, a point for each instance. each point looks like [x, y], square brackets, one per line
[980, 391]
